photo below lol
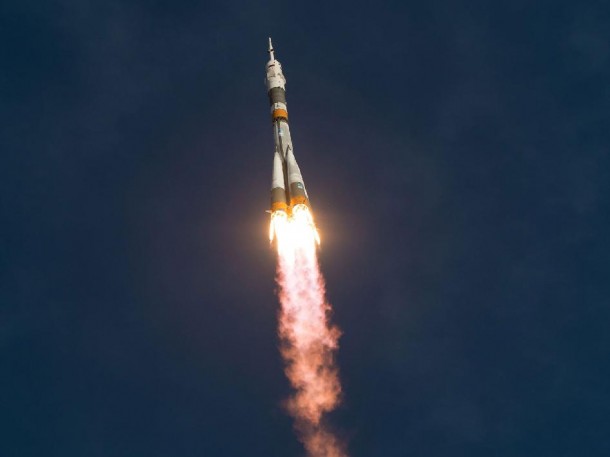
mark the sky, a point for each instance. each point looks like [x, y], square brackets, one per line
[457, 156]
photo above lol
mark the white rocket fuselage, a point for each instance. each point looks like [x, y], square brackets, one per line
[287, 186]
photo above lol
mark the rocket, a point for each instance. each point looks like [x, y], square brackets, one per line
[287, 186]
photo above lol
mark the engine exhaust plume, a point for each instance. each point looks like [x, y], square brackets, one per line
[308, 340]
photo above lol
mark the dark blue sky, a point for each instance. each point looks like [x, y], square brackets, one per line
[457, 155]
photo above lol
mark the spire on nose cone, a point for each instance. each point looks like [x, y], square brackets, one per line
[271, 56]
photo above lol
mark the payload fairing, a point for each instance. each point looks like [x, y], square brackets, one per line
[287, 186]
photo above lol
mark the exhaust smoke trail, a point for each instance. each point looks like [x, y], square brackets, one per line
[308, 341]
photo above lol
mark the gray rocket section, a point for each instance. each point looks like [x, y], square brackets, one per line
[287, 186]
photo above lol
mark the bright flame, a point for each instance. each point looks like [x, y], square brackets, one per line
[308, 340]
[299, 229]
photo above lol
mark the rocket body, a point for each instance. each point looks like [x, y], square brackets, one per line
[287, 186]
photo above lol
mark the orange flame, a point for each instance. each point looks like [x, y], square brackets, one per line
[308, 340]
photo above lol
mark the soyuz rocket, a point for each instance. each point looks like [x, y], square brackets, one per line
[287, 187]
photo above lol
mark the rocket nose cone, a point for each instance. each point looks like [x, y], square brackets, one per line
[271, 54]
